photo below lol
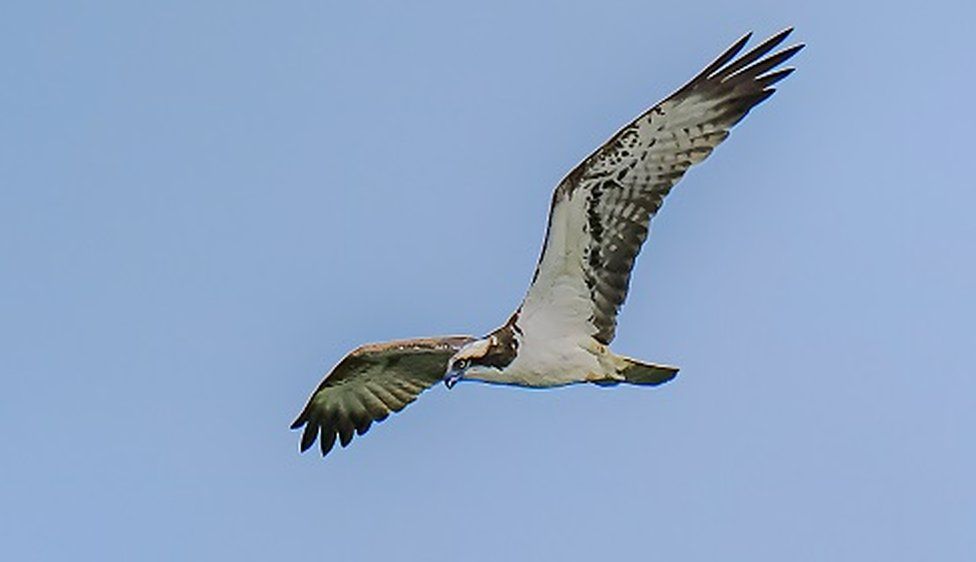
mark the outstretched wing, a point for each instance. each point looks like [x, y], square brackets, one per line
[602, 210]
[371, 382]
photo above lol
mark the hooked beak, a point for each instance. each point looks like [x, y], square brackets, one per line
[452, 377]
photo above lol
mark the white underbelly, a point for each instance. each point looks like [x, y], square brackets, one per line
[546, 363]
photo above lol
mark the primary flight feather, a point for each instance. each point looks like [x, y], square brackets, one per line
[599, 218]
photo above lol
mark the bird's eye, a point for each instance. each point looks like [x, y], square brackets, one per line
[460, 364]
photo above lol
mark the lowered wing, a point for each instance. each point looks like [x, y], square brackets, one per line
[601, 211]
[370, 383]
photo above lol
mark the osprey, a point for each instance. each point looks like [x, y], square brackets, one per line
[598, 220]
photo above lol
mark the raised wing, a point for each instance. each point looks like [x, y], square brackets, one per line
[602, 210]
[371, 382]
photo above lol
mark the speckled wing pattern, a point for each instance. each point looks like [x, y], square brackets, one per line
[371, 382]
[613, 194]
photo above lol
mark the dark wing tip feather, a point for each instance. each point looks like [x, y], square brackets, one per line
[767, 80]
[755, 53]
[309, 435]
[327, 441]
[346, 430]
[757, 69]
[746, 81]
[749, 65]
[722, 59]
[302, 418]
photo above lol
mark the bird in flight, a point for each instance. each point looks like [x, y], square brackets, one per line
[599, 217]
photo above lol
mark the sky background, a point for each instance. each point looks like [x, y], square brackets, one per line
[203, 206]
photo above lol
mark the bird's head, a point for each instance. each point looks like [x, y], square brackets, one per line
[466, 360]
[481, 359]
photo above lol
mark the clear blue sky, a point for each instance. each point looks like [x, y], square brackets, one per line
[203, 207]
